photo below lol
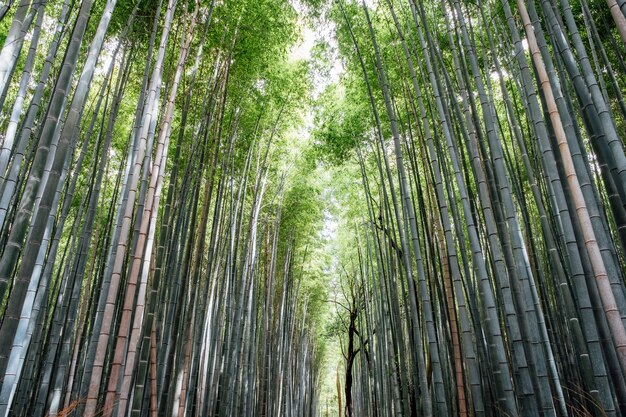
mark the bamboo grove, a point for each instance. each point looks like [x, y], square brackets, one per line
[161, 208]
[150, 261]
[487, 268]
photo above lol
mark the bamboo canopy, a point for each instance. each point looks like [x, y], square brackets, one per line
[309, 208]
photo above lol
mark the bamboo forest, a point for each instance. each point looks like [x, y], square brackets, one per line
[313, 208]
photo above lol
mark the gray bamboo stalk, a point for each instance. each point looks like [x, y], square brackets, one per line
[407, 205]
[18, 231]
[7, 145]
[13, 44]
[104, 332]
[147, 229]
[604, 286]
[415, 328]
[9, 180]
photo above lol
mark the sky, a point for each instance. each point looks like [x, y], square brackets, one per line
[312, 34]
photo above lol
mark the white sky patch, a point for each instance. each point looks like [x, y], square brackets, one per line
[303, 51]
[313, 33]
[369, 3]
[260, 86]
[330, 224]
[495, 76]
[304, 48]
[335, 71]
[106, 55]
